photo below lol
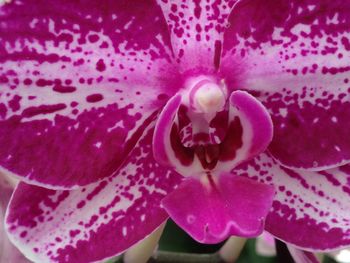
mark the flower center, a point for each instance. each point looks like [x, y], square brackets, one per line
[202, 131]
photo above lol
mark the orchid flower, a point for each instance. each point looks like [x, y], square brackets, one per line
[228, 116]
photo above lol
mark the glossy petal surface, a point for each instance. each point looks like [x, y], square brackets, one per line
[94, 222]
[311, 209]
[78, 81]
[294, 57]
[197, 29]
[211, 210]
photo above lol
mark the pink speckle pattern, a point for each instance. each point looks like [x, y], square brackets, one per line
[294, 57]
[97, 221]
[312, 204]
[196, 30]
[79, 82]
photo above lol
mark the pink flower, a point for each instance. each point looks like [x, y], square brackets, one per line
[229, 116]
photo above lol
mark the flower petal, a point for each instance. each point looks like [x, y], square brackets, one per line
[8, 252]
[257, 130]
[94, 222]
[311, 209]
[79, 81]
[293, 56]
[301, 256]
[196, 29]
[212, 209]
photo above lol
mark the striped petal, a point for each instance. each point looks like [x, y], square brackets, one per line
[294, 57]
[311, 209]
[78, 83]
[196, 29]
[8, 252]
[95, 222]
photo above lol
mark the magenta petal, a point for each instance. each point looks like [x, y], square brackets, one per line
[163, 152]
[254, 115]
[212, 209]
[301, 256]
[79, 81]
[94, 222]
[293, 56]
[256, 131]
[8, 252]
[197, 29]
[311, 210]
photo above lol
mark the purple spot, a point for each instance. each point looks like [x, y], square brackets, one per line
[93, 38]
[104, 45]
[44, 82]
[24, 234]
[3, 79]
[43, 109]
[3, 110]
[79, 62]
[100, 65]
[27, 82]
[14, 103]
[94, 98]
[74, 233]
[74, 104]
[217, 54]
[81, 204]
[64, 89]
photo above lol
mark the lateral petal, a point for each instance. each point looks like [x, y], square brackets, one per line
[311, 209]
[96, 222]
[79, 81]
[293, 56]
